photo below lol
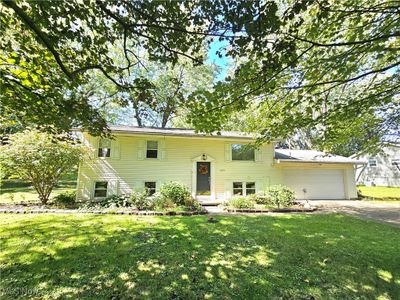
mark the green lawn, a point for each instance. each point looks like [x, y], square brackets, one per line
[382, 192]
[242, 257]
[16, 190]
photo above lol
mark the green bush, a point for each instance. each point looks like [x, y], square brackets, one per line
[175, 191]
[116, 201]
[141, 201]
[161, 202]
[241, 202]
[279, 196]
[65, 199]
[193, 204]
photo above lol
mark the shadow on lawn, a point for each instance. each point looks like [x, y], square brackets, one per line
[123, 257]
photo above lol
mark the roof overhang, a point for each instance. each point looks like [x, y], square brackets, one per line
[298, 161]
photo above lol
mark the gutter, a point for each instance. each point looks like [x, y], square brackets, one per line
[355, 162]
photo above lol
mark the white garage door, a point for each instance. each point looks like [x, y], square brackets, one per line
[318, 184]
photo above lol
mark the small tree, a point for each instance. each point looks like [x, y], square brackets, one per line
[41, 158]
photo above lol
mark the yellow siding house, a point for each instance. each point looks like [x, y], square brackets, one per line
[213, 167]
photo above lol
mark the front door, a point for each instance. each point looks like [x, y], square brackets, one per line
[203, 178]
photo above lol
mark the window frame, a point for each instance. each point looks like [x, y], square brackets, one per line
[152, 149]
[243, 187]
[375, 164]
[100, 189]
[100, 149]
[150, 191]
[253, 159]
[395, 163]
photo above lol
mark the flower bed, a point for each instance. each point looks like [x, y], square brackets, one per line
[39, 210]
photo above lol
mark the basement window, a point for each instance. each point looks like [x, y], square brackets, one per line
[100, 189]
[244, 188]
[150, 187]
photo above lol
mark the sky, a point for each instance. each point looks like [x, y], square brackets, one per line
[222, 63]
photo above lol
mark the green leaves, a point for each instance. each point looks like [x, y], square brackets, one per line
[41, 158]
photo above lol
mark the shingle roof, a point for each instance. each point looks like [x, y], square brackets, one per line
[288, 155]
[177, 132]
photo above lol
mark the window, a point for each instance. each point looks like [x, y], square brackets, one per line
[104, 148]
[152, 149]
[242, 152]
[396, 163]
[372, 162]
[244, 188]
[238, 188]
[150, 187]
[250, 188]
[100, 189]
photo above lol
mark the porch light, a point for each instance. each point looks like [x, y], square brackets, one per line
[204, 156]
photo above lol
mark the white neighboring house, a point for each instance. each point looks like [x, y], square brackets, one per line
[382, 169]
[213, 167]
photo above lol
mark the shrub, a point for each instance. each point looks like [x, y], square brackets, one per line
[258, 198]
[241, 202]
[193, 204]
[279, 196]
[141, 201]
[116, 201]
[161, 202]
[175, 191]
[65, 199]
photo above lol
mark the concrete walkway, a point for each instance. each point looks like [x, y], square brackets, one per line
[387, 212]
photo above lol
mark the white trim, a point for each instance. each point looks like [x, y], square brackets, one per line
[211, 160]
[94, 188]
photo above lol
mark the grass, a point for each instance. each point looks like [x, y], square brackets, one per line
[16, 190]
[325, 256]
[380, 192]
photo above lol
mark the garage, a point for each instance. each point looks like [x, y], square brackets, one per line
[316, 183]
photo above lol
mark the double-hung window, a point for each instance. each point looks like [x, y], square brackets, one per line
[150, 187]
[372, 162]
[244, 188]
[100, 189]
[242, 152]
[152, 149]
[104, 148]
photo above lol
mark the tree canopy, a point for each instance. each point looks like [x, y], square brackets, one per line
[41, 158]
[329, 64]
[300, 64]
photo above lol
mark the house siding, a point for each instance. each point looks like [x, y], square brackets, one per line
[127, 170]
[384, 174]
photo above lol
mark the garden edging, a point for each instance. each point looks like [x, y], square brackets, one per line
[275, 210]
[103, 212]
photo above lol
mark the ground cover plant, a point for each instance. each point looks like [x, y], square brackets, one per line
[324, 256]
[380, 192]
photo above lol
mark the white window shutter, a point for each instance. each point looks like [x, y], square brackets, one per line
[113, 187]
[115, 149]
[228, 189]
[162, 150]
[258, 154]
[94, 146]
[259, 186]
[228, 152]
[141, 149]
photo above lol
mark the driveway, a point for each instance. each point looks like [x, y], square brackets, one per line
[387, 212]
